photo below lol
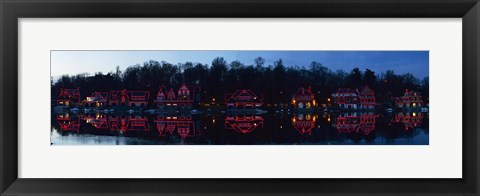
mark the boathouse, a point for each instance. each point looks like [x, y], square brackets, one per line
[303, 99]
[243, 99]
[345, 98]
[183, 98]
[128, 98]
[97, 99]
[367, 98]
[410, 99]
[68, 97]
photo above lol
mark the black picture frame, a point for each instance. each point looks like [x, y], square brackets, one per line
[11, 10]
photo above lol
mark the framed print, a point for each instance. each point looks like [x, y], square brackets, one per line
[281, 97]
[222, 103]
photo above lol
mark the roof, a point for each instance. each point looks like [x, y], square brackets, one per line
[345, 91]
[367, 91]
[171, 94]
[411, 93]
[160, 93]
[70, 92]
[100, 94]
[232, 97]
[138, 93]
[115, 94]
[183, 87]
[303, 91]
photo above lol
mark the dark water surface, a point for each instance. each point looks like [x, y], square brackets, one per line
[277, 128]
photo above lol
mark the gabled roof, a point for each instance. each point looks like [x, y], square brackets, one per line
[115, 94]
[231, 97]
[183, 88]
[304, 91]
[171, 94]
[411, 93]
[100, 95]
[160, 93]
[138, 94]
[70, 92]
[367, 91]
[345, 91]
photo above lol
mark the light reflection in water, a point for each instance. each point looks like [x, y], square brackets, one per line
[409, 119]
[243, 123]
[166, 125]
[304, 123]
[245, 128]
[67, 122]
[355, 122]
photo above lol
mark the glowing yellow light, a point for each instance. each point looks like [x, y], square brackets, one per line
[414, 114]
[213, 99]
[328, 119]
[213, 121]
[328, 99]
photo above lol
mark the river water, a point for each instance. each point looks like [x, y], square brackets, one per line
[273, 128]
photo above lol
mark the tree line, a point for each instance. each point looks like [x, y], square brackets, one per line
[275, 82]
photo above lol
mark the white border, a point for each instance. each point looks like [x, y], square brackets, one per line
[441, 159]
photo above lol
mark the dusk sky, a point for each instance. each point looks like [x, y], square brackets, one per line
[75, 62]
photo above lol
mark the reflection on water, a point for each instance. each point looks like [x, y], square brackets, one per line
[349, 122]
[243, 123]
[410, 120]
[241, 128]
[303, 123]
[184, 126]
[66, 122]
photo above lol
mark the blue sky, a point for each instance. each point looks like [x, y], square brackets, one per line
[75, 62]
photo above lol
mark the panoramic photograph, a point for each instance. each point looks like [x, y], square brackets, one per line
[239, 97]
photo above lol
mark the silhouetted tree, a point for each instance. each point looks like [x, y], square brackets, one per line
[259, 62]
